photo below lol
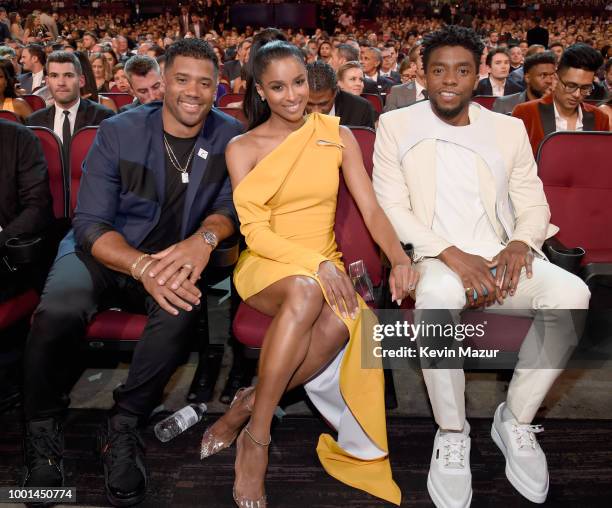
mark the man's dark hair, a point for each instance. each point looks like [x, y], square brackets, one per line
[140, 65]
[38, 51]
[453, 35]
[545, 57]
[350, 53]
[157, 50]
[92, 35]
[321, 76]
[580, 56]
[65, 57]
[496, 51]
[192, 48]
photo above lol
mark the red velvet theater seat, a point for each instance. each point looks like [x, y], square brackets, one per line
[229, 98]
[577, 176]
[120, 99]
[485, 101]
[18, 308]
[375, 100]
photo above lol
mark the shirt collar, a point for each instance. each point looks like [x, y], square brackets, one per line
[559, 117]
[59, 112]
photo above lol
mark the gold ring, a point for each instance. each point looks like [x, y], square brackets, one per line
[468, 290]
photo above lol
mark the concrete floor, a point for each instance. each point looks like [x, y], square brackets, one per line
[576, 394]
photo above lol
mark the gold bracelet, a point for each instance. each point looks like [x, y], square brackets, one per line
[135, 264]
[144, 268]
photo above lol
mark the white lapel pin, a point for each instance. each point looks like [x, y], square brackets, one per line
[202, 153]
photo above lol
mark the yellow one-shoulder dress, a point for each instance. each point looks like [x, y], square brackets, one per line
[287, 207]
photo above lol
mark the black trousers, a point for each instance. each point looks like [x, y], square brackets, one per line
[78, 287]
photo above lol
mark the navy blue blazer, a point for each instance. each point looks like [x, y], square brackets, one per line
[123, 183]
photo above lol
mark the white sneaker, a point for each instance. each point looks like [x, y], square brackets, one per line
[526, 466]
[449, 482]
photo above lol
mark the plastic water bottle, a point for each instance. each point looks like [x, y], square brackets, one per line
[179, 422]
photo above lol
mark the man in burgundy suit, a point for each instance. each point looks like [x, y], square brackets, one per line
[564, 109]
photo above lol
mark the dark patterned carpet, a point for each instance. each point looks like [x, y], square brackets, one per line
[579, 455]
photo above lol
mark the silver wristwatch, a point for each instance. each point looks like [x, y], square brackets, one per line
[210, 238]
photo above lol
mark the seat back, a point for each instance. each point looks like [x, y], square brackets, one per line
[375, 100]
[9, 115]
[485, 101]
[228, 98]
[238, 114]
[58, 178]
[577, 176]
[79, 148]
[34, 101]
[120, 99]
[352, 235]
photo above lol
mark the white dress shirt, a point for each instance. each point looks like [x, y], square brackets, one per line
[498, 90]
[561, 123]
[37, 79]
[419, 91]
[459, 216]
[58, 123]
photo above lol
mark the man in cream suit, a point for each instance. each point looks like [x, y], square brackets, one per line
[460, 183]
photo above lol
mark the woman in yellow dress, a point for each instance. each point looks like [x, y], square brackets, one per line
[285, 176]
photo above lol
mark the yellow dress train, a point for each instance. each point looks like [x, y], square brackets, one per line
[287, 207]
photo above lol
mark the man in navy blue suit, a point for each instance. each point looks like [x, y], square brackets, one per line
[155, 199]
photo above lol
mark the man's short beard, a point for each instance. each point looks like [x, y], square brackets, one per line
[536, 93]
[448, 114]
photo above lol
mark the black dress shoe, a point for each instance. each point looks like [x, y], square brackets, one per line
[43, 453]
[122, 453]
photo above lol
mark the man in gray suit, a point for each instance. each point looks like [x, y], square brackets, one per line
[407, 94]
[539, 71]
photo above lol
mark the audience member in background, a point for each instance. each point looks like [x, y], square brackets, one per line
[518, 76]
[149, 203]
[389, 63]
[101, 72]
[498, 83]
[145, 81]
[88, 43]
[406, 94]
[371, 60]
[324, 52]
[120, 80]
[407, 71]
[25, 200]
[69, 112]
[33, 60]
[516, 58]
[8, 94]
[90, 90]
[16, 28]
[536, 34]
[8, 53]
[110, 57]
[482, 207]
[324, 97]
[232, 68]
[540, 75]
[350, 78]
[342, 54]
[564, 109]
[557, 48]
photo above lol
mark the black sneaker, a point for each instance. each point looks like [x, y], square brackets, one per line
[122, 452]
[43, 448]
